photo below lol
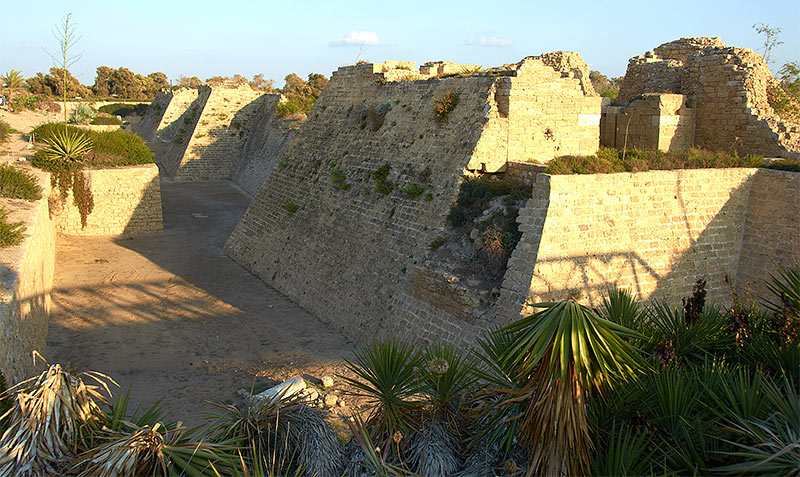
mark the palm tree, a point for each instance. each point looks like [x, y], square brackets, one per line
[565, 351]
[12, 80]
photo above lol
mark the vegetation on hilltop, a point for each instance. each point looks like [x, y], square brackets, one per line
[300, 95]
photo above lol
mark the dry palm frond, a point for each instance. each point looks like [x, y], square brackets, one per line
[158, 450]
[314, 443]
[50, 421]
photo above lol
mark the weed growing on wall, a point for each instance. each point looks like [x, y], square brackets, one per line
[380, 175]
[290, 207]
[413, 190]
[444, 104]
[338, 179]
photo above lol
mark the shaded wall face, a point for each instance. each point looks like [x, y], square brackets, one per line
[655, 233]
[663, 122]
[267, 138]
[321, 231]
[771, 230]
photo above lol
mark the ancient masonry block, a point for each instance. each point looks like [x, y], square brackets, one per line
[725, 104]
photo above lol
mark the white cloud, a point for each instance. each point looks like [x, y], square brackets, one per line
[356, 38]
[493, 41]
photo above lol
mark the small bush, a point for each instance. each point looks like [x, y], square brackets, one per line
[11, 233]
[106, 120]
[611, 161]
[5, 130]
[338, 179]
[786, 165]
[24, 101]
[294, 104]
[445, 104]
[110, 148]
[290, 207]
[49, 106]
[18, 184]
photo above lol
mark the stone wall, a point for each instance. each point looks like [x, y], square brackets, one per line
[663, 122]
[26, 280]
[726, 87]
[320, 232]
[771, 229]
[127, 200]
[654, 232]
[214, 145]
[547, 108]
[148, 125]
[267, 139]
[177, 128]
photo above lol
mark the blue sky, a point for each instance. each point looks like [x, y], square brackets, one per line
[206, 38]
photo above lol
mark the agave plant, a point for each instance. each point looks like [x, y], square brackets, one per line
[620, 306]
[52, 418]
[67, 147]
[624, 452]
[566, 350]
[674, 339]
[389, 377]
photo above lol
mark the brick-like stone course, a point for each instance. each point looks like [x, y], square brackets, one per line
[127, 200]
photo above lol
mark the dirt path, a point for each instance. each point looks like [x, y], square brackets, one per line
[173, 317]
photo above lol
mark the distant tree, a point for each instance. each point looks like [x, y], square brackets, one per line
[316, 83]
[12, 80]
[159, 80]
[103, 81]
[261, 84]
[53, 84]
[770, 39]
[607, 88]
[186, 82]
[785, 97]
[294, 85]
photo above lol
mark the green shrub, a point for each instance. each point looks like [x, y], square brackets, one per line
[338, 179]
[445, 104]
[10, 232]
[786, 165]
[24, 101]
[110, 148]
[18, 184]
[5, 403]
[294, 104]
[122, 109]
[614, 160]
[5, 130]
[104, 120]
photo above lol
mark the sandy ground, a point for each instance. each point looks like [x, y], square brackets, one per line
[176, 319]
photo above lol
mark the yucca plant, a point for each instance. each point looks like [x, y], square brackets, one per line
[280, 436]
[372, 461]
[772, 445]
[624, 451]
[566, 350]
[53, 417]
[674, 339]
[498, 411]
[66, 147]
[620, 306]
[389, 378]
[785, 305]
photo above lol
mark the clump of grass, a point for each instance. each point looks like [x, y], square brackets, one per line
[785, 165]
[445, 104]
[11, 233]
[106, 120]
[413, 190]
[381, 184]
[614, 160]
[18, 184]
[290, 207]
[338, 179]
[5, 130]
[475, 194]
